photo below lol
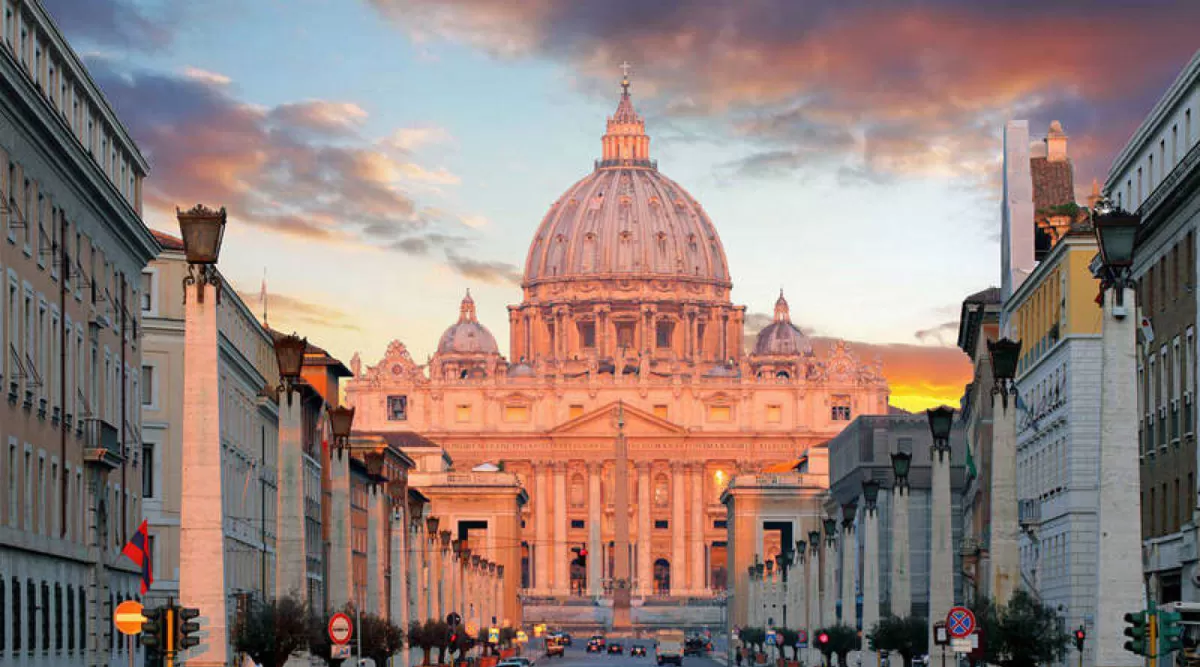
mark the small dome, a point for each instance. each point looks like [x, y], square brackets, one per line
[722, 371]
[467, 336]
[781, 337]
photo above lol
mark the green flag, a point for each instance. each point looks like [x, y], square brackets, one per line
[971, 472]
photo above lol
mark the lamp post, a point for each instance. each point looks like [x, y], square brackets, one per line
[340, 421]
[901, 588]
[1118, 552]
[813, 590]
[291, 566]
[941, 561]
[870, 576]
[1004, 527]
[202, 580]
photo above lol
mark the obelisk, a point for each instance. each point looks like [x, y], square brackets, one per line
[621, 574]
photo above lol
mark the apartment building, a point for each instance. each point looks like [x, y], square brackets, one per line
[72, 249]
[249, 418]
[1157, 174]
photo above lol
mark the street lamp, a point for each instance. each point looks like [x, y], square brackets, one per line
[814, 538]
[289, 356]
[901, 462]
[202, 230]
[848, 511]
[431, 527]
[870, 489]
[341, 419]
[830, 525]
[801, 545]
[1005, 354]
[941, 419]
[1116, 234]
[445, 538]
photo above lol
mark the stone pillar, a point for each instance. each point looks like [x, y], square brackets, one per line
[201, 531]
[420, 601]
[699, 583]
[813, 606]
[849, 571]
[796, 616]
[1119, 577]
[398, 604]
[541, 517]
[941, 558]
[870, 587]
[679, 571]
[1003, 548]
[433, 557]
[829, 587]
[562, 578]
[377, 543]
[291, 562]
[341, 560]
[594, 524]
[645, 574]
[442, 559]
[754, 605]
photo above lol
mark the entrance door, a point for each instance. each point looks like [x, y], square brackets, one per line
[662, 577]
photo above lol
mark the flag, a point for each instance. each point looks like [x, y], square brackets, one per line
[1147, 330]
[138, 551]
[971, 472]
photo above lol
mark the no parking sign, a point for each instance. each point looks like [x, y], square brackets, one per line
[960, 622]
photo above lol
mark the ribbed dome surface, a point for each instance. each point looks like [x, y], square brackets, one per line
[781, 336]
[467, 335]
[626, 222]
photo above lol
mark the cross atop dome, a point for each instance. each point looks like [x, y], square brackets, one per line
[781, 308]
[625, 67]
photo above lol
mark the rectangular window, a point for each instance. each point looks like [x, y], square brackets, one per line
[516, 413]
[840, 408]
[574, 411]
[462, 413]
[662, 333]
[16, 615]
[625, 334]
[661, 524]
[721, 524]
[587, 335]
[397, 408]
[719, 413]
[70, 617]
[774, 414]
[147, 470]
[148, 387]
[660, 411]
[58, 617]
[146, 292]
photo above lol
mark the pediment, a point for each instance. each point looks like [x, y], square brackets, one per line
[603, 422]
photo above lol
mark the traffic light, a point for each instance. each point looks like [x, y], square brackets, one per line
[152, 629]
[1170, 632]
[580, 556]
[822, 640]
[871, 643]
[187, 628]
[1137, 631]
[1080, 636]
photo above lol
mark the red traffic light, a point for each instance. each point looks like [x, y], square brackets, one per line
[823, 638]
[583, 552]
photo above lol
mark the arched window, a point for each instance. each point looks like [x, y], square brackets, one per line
[662, 577]
[662, 491]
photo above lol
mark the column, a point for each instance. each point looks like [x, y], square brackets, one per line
[870, 588]
[416, 563]
[679, 571]
[377, 542]
[754, 605]
[541, 547]
[900, 571]
[562, 579]
[432, 560]
[849, 547]
[398, 605]
[1119, 579]
[941, 558]
[796, 616]
[341, 560]
[595, 522]
[291, 562]
[829, 569]
[699, 580]
[201, 533]
[441, 548]
[1003, 551]
[645, 574]
[813, 606]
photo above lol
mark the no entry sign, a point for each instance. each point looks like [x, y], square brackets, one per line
[128, 617]
[340, 628]
[960, 622]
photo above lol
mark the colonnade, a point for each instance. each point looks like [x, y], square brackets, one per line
[446, 575]
[550, 551]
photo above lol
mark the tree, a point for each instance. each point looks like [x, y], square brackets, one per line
[272, 631]
[381, 639]
[842, 640]
[419, 636]
[754, 638]
[908, 636]
[507, 635]
[789, 641]
[439, 637]
[1023, 633]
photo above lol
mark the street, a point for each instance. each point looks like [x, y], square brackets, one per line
[577, 656]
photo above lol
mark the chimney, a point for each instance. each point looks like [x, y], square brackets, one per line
[1056, 143]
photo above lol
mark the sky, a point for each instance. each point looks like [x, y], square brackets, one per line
[380, 157]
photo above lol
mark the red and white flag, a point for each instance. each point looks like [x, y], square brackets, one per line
[138, 551]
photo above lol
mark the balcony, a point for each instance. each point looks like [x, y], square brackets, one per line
[1029, 513]
[102, 445]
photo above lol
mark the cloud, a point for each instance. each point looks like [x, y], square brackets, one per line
[410, 138]
[286, 312]
[924, 86]
[300, 169]
[205, 76]
[115, 23]
[939, 333]
[498, 273]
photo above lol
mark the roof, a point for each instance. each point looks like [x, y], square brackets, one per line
[985, 296]
[1053, 183]
[399, 439]
[167, 241]
[975, 308]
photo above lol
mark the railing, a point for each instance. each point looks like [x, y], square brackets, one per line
[601, 164]
[102, 444]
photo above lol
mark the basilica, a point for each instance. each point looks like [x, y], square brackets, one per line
[626, 307]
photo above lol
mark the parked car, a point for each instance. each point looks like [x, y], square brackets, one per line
[566, 637]
[595, 645]
[637, 651]
[616, 648]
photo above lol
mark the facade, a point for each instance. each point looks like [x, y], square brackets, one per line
[1055, 315]
[978, 324]
[1157, 175]
[626, 300]
[863, 451]
[249, 418]
[72, 246]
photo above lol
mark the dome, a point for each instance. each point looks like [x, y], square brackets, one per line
[521, 370]
[467, 336]
[626, 220]
[781, 337]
